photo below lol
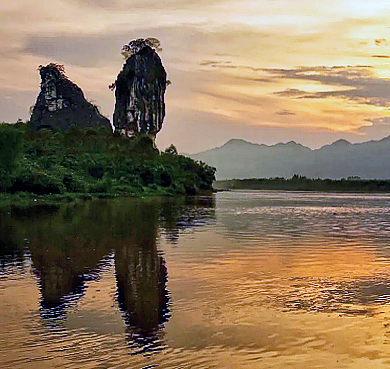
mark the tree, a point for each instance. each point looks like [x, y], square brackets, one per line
[10, 148]
[60, 68]
[171, 150]
[134, 46]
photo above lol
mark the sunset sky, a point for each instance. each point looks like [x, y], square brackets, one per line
[267, 71]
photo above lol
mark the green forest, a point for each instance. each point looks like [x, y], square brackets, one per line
[302, 183]
[92, 162]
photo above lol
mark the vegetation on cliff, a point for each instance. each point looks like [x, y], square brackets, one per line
[94, 162]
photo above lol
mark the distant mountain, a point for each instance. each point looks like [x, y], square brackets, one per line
[341, 159]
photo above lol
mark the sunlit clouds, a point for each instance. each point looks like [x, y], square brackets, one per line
[264, 70]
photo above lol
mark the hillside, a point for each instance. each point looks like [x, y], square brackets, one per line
[341, 159]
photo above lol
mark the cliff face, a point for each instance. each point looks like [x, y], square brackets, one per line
[61, 103]
[139, 94]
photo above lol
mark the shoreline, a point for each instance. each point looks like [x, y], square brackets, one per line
[297, 183]
[24, 200]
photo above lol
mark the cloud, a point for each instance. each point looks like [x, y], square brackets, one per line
[228, 65]
[291, 92]
[145, 4]
[382, 120]
[83, 50]
[377, 128]
[221, 56]
[179, 44]
[218, 63]
[356, 83]
[381, 42]
[285, 112]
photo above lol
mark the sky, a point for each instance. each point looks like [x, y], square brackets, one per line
[266, 71]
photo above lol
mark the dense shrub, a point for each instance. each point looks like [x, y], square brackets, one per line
[94, 161]
[10, 150]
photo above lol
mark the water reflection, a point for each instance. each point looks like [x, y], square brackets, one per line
[188, 213]
[68, 247]
[357, 297]
[326, 250]
[11, 254]
[141, 277]
[273, 280]
[12, 241]
[66, 251]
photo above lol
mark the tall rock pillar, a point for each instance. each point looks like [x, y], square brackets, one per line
[139, 92]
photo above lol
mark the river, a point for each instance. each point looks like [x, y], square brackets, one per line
[243, 279]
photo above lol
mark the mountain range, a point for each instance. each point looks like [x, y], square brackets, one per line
[242, 159]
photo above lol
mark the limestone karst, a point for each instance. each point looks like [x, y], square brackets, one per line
[139, 90]
[61, 103]
[139, 95]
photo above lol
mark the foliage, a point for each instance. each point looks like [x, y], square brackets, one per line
[60, 68]
[171, 150]
[134, 46]
[302, 183]
[10, 148]
[95, 161]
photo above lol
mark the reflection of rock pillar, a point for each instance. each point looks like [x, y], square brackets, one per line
[141, 278]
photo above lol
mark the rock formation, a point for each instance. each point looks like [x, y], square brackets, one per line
[61, 103]
[139, 92]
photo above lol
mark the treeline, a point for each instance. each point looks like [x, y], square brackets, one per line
[302, 183]
[94, 162]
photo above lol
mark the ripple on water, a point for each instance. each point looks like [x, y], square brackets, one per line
[295, 280]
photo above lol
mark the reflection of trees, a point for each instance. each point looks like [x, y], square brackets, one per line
[185, 213]
[10, 252]
[12, 241]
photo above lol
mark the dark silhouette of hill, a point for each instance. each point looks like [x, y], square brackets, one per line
[341, 159]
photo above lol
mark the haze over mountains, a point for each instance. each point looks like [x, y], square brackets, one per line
[241, 159]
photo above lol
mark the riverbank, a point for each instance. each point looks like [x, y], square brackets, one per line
[81, 164]
[299, 183]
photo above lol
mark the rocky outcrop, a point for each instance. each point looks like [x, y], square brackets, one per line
[139, 93]
[61, 103]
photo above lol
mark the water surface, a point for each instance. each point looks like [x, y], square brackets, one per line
[239, 280]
